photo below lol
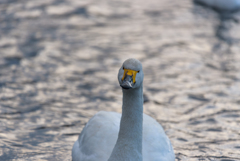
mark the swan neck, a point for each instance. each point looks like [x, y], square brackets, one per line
[129, 143]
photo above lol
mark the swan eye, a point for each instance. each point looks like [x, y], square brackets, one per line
[123, 68]
[138, 71]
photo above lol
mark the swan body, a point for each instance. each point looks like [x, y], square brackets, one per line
[227, 5]
[132, 136]
[99, 136]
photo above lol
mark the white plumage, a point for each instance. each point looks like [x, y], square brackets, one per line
[99, 136]
[132, 136]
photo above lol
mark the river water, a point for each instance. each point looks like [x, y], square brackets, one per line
[59, 62]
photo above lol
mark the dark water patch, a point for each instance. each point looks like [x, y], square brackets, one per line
[169, 45]
[234, 78]
[74, 78]
[8, 155]
[27, 96]
[26, 110]
[59, 60]
[202, 147]
[179, 156]
[45, 127]
[195, 122]
[213, 158]
[86, 86]
[119, 16]
[237, 147]
[210, 107]
[100, 24]
[71, 134]
[8, 1]
[10, 118]
[145, 98]
[9, 24]
[206, 142]
[30, 81]
[155, 90]
[93, 98]
[153, 13]
[57, 127]
[172, 75]
[202, 151]
[171, 99]
[214, 141]
[6, 106]
[81, 11]
[2, 84]
[102, 98]
[36, 137]
[90, 71]
[30, 46]
[17, 145]
[4, 98]
[198, 97]
[231, 115]
[182, 139]
[201, 35]
[189, 133]
[212, 66]
[11, 113]
[159, 103]
[78, 11]
[105, 50]
[193, 109]
[7, 129]
[214, 114]
[166, 121]
[6, 46]
[13, 60]
[211, 120]
[14, 88]
[214, 129]
[221, 94]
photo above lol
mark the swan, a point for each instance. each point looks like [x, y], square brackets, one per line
[227, 5]
[132, 136]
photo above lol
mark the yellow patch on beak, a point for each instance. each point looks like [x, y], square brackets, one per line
[130, 72]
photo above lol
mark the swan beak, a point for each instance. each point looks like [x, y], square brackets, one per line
[127, 82]
[128, 78]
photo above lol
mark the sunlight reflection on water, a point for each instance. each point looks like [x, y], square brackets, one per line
[59, 64]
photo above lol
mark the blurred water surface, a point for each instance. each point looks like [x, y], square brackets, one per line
[59, 62]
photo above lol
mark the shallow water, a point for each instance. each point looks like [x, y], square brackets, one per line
[59, 62]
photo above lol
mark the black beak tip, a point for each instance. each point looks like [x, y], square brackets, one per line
[125, 87]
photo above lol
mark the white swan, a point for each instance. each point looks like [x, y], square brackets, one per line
[140, 137]
[228, 5]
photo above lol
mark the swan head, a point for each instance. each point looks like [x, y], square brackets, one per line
[130, 74]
